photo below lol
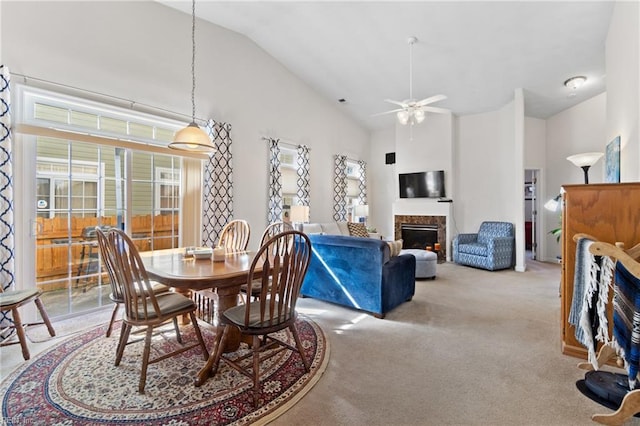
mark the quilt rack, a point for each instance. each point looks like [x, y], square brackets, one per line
[609, 351]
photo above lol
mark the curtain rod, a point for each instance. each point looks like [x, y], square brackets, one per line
[130, 102]
[285, 142]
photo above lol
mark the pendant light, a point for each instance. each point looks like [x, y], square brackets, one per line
[192, 138]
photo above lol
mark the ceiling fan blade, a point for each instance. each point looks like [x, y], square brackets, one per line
[402, 104]
[388, 112]
[431, 100]
[435, 109]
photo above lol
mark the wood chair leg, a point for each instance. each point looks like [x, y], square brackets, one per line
[45, 317]
[196, 328]
[629, 407]
[305, 361]
[145, 359]
[113, 318]
[22, 337]
[211, 366]
[124, 337]
[177, 329]
[256, 369]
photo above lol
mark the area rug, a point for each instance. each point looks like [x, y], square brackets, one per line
[76, 383]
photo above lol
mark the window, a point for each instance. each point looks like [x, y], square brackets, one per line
[353, 184]
[69, 113]
[289, 171]
[57, 193]
[167, 188]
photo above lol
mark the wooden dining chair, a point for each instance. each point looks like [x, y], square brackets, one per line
[117, 287]
[11, 300]
[144, 308]
[278, 269]
[235, 235]
[269, 232]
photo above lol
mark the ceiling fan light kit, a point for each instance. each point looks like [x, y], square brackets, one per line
[411, 111]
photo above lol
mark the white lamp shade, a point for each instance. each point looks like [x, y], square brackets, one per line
[300, 214]
[552, 205]
[585, 159]
[192, 138]
[361, 210]
[419, 115]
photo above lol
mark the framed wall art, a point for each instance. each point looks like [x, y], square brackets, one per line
[612, 161]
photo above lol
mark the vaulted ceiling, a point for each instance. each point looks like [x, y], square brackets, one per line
[476, 53]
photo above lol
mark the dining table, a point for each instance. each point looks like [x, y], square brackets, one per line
[185, 273]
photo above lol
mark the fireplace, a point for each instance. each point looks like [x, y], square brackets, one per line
[417, 236]
[431, 229]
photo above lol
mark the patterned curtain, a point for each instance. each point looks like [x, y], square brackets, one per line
[274, 210]
[362, 185]
[340, 189]
[303, 182]
[217, 203]
[7, 231]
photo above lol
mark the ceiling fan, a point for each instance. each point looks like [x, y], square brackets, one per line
[412, 111]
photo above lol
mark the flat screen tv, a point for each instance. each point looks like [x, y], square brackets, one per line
[422, 184]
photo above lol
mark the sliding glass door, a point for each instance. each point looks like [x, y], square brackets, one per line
[78, 186]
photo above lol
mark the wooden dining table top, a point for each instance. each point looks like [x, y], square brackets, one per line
[173, 268]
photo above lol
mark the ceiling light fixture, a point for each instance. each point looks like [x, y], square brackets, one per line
[192, 138]
[575, 82]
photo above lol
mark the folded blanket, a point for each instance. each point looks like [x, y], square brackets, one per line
[588, 313]
[626, 320]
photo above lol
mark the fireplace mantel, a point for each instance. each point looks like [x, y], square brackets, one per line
[427, 212]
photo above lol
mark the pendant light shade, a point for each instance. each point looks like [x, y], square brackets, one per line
[192, 138]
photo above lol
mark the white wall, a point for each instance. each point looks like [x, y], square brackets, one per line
[384, 179]
[141, 51]
[623, 86]
[572, 131]
[486, 169]
[534, 143]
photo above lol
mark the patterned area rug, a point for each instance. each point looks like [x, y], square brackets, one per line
[76, 383]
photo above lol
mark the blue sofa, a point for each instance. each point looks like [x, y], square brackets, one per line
[492, 247]
[358, 273]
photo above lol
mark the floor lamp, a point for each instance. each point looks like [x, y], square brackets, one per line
[361, 211]
[585, 161]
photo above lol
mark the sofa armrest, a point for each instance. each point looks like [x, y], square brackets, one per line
[398, 281]
[500, 244]
[501, 252]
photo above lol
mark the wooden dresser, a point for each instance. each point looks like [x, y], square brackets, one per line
[609, 212]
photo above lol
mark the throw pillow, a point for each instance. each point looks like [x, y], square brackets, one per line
[394, 247]
[357, 229]
[398, 246]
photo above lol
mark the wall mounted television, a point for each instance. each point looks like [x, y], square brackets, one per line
[422, 184]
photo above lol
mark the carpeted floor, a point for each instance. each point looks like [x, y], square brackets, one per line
[472, 348]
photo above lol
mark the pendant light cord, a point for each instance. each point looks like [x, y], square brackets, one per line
[193, 61]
